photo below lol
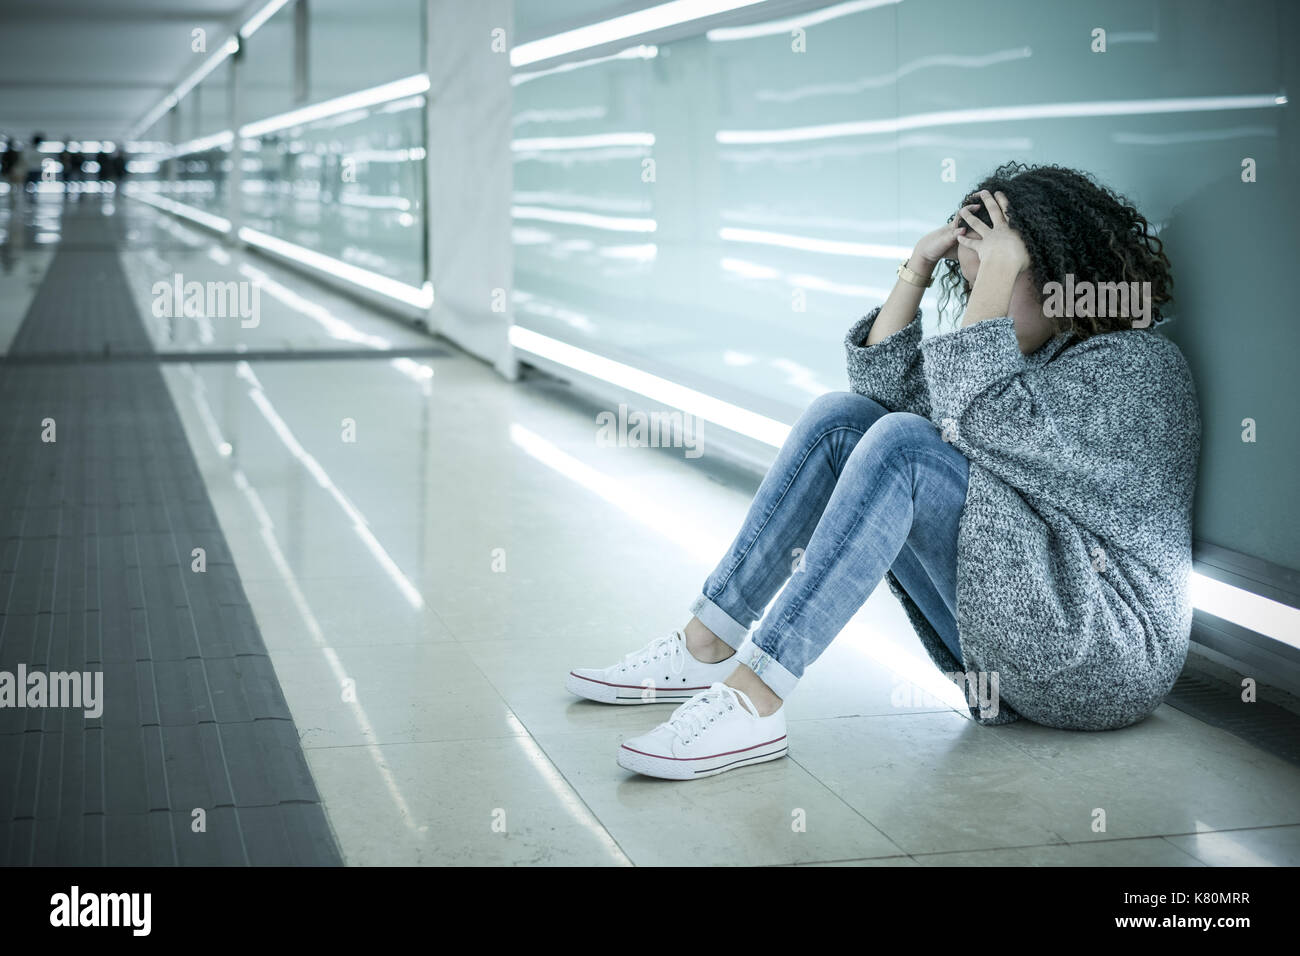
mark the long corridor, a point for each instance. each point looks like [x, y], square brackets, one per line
[330, 569]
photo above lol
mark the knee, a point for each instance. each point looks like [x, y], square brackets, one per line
[895, 438]
[899, 429]
[841, 409]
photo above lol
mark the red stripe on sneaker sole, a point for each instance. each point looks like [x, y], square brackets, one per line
[631, 686]
[726, 753]
[745, 760]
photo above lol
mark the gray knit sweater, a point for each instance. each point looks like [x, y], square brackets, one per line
[1074, 546]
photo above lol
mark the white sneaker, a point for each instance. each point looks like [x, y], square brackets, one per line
[715, 731]
[662, 672]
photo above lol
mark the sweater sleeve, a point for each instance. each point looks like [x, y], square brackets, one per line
[960, 366]
[888, 372]
[978, 388]
[1076, 428]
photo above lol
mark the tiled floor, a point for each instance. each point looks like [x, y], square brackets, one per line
[189, 753]
[426, 682]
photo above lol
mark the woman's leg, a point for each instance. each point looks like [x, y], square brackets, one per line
[928, 573]
[781, 519]
[780, 522]
[903, 485]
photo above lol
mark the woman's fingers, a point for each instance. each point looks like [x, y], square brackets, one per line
[1003, 204]
[968, 242]
[972, 222]
[994, 208]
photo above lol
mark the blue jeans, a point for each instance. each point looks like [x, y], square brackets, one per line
[855, 491]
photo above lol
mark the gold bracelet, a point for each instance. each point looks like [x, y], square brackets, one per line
[912, 277]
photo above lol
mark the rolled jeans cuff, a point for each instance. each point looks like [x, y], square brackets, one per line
[768, 669]
[729, 630]
[734, 634]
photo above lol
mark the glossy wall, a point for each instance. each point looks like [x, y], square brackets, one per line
[720, 208]
[350, 185]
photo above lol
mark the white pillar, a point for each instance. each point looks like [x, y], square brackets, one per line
[173, 134]
[235, 116]
[470, 177]
[301, 53]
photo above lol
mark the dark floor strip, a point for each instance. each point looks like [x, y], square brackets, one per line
[225, 355]
[1261, 723]
[195, 758]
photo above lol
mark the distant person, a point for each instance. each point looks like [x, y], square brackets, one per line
[1024, 481]
[10, 160]
[70, 159]
[32, 158]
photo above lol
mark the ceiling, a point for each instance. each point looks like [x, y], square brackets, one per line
[89, 69]
[539, 18]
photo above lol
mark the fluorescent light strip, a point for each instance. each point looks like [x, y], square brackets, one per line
[622, 28]
[421, 298]
[773, 27]
[229, 47]
[152, 116]
[171, 99]
[769, 431]
[409, 86]
[179, 209]
[631, 53]
[254, 22]
[589, 141]
[663, 519]
[335, 327]
[835, 247]
[224, 138]
[885, 80]
[332, 324]
[573, 217]
[998, 114]
[1246, 609]
[821, 284]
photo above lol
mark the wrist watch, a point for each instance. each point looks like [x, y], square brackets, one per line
[914, 278]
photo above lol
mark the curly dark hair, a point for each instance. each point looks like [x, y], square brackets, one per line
[1071, 224]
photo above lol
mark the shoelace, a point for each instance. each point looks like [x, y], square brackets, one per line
[672, 647]
[691, 718]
